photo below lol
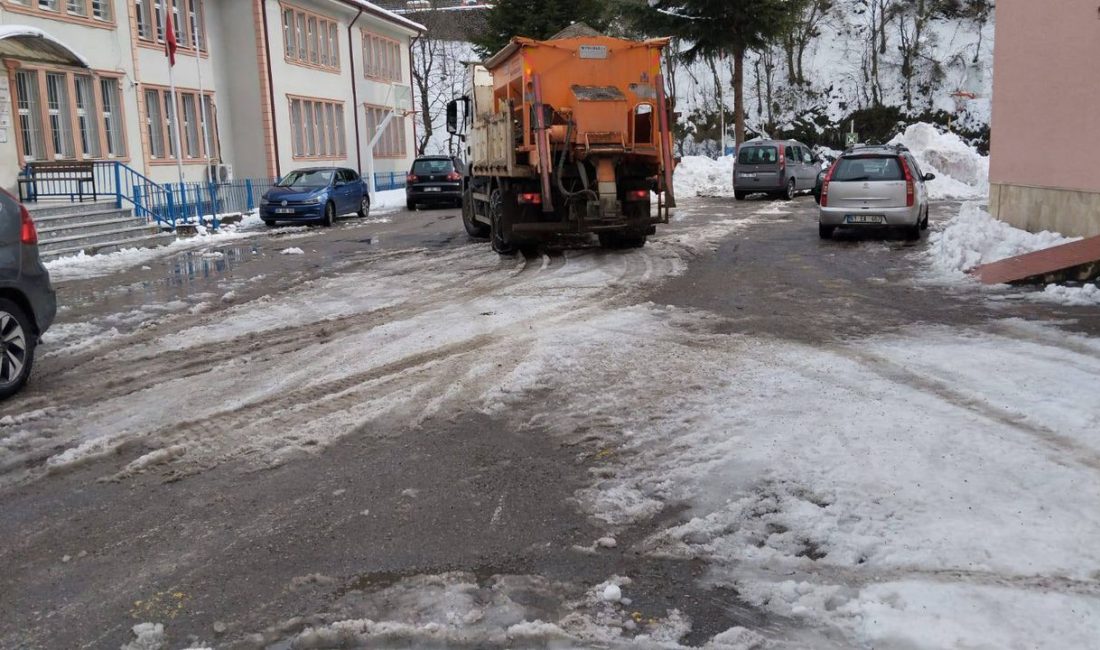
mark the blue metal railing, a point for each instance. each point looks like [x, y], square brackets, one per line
[204, 203]
[171, 204]
[389, 181]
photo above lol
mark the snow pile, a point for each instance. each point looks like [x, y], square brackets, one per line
[293, 250]
[147, 636]
[961, 172]
[1083, 296]
[973, 238]
[702, 176]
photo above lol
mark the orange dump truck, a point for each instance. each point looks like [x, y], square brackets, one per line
[566, 136]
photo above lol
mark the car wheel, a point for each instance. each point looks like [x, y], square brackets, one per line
[924, 224]
[330, 215]
[825, 232]
[269, 223]
[364, 207]
[790, 192]
[912, 233]
[740, 196]
[16, 348]
[410, 206]
[473, 227]
[496, 216]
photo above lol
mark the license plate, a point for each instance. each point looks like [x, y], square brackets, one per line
[433, 189]
[284, 210]
[864, 218]
[748, 175]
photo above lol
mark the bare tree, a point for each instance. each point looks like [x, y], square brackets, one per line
[805, 27]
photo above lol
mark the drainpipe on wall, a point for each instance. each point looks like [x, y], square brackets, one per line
[271, 90]
[355, 94]
[412, 93]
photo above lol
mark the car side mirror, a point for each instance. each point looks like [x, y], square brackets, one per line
[929, 177]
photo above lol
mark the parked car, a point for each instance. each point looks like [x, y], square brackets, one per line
[779, 168]
[27, 300]
[874, 186]
[317, 194]
[434, 180]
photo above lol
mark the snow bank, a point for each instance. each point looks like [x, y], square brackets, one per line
[961, 172]
[973, 238]
[1084, 296]
[702, 176]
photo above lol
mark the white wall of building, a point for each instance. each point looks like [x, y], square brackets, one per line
[232, 73]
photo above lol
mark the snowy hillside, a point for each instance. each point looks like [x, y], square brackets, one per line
[954, 56]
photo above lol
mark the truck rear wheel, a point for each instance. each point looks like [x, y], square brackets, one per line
[473, 228]
[496, 216]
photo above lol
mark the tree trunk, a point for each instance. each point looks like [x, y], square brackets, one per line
[792, 73]
[739, 94]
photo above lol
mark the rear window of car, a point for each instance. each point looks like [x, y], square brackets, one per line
[757, 156]
[429, 167]
[868, 168]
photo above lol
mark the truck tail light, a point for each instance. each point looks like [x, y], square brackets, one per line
[29, 234]
[825, 185]
[910, 186]
[637, 195]
[411, 178]
[454, 176]
[530, 198]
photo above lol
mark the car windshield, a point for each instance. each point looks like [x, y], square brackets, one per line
[306, 179]
[430, 167]
[868, 168]
[758, 156]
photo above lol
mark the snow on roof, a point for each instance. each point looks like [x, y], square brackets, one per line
[34, 44]
[370, 7]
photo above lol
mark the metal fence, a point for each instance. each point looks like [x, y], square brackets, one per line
[201, 203]
[389, 181]
[171, 203]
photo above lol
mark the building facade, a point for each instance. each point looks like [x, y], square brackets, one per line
[1046, 125]
[263, 86]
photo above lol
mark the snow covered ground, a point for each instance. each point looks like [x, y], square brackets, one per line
[92, 266]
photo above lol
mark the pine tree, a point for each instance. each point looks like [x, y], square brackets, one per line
[539, 19]
[715, 28]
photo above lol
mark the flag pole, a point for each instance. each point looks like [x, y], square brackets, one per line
[195, 27]
[170, 54]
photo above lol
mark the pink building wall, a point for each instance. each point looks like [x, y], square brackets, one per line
[1046, 94]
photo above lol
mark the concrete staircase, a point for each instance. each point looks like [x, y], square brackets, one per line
[66, 228]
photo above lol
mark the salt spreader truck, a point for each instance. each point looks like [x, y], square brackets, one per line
[566, 136]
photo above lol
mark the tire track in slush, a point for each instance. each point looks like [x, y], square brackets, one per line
[119, 374]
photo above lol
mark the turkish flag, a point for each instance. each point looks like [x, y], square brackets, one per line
[169, 39]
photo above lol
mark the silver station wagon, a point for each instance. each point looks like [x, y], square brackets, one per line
[874, 186]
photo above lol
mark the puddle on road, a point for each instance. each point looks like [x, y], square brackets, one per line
[215, 263]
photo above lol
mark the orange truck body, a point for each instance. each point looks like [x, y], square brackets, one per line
[581, 121]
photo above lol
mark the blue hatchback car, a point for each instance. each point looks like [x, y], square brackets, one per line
[317, 194]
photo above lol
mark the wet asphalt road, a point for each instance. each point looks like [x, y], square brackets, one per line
[237, 557]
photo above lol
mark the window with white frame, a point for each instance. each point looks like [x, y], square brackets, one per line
[381, 58]
[317, 128]
[187, 22]
[197, 128]
[66, 115]
[111, 110]
[392, 143]
[98, 10]
[310, 39]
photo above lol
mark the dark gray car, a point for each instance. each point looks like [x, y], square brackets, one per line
[27, 301]
[779, 168]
